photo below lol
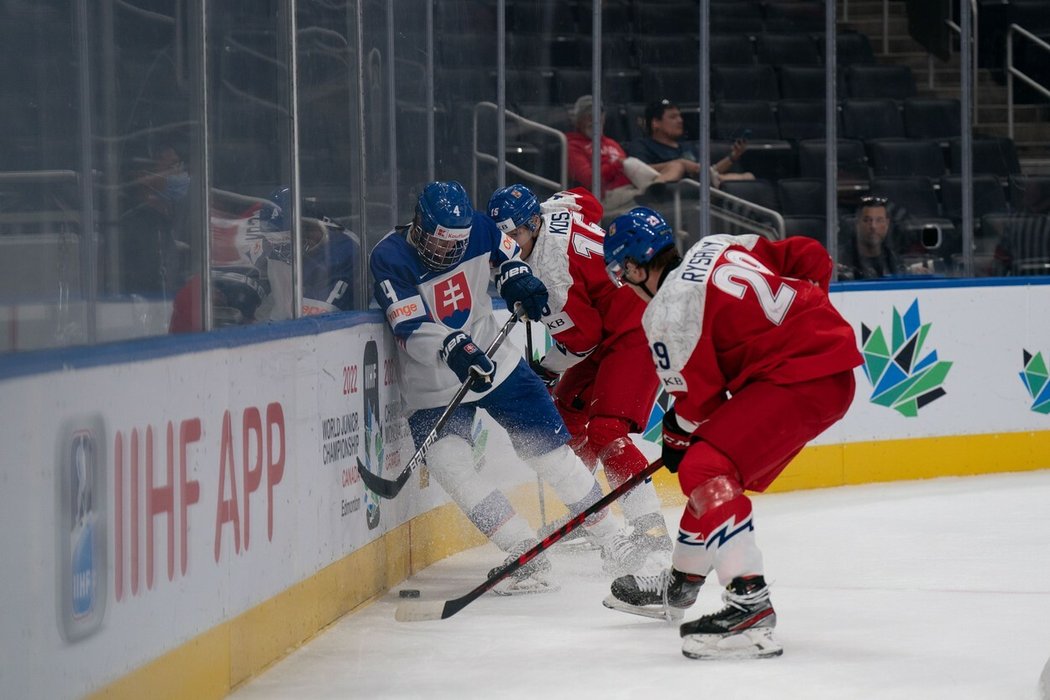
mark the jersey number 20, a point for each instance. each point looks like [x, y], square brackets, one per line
[742, 271]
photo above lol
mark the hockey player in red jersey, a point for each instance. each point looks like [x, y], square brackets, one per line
[607, 383]
[744, 336]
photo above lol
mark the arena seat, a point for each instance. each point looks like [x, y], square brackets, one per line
[1023, 242]
[783, 49]
[991, 154]
[666, 18]
[988, 196]
[801, 119]
[807, 82]
[910, 196]
[894, 82]
[731, 50]
[871, 119]
[757, 82]
[805, 226]
[852, 48]
[853, 170]
[906, 157]
[802, 196]
[758, 191]
[932, 118]
[1030, 194]
[732, 117]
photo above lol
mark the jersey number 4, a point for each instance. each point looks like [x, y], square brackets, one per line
[741, 271]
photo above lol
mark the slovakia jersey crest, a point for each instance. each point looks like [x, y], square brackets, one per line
[452, 300]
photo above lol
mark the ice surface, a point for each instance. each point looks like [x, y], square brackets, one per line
[918, 591]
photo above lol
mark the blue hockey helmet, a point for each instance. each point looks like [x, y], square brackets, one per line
[274, 216]
[514, 206]
[441, 228]
[639, 236]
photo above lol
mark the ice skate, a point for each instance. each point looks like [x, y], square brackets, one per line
[741, 630]
[575, 541]
[663, 596]
[534, 577]
[650, 533]
[621, 555]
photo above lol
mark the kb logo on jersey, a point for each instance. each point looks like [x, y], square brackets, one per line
[452, 300]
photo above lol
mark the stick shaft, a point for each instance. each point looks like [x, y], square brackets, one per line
[389, 488]
[412, 611]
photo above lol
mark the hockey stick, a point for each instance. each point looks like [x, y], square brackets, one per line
[539, 480]
[418, 610]
[389, 488]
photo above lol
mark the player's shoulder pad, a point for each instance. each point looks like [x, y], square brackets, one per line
[675, 316]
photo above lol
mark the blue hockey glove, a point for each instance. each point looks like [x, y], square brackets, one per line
[516, 284]
[676, 442]
[466, 359]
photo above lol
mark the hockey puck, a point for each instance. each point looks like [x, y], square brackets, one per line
[409, 593]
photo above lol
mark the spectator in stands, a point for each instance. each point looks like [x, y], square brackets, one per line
[150, 230]
[623, 179]
[867, 255]
[663, 149]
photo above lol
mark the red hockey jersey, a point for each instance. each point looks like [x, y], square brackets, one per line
[586, 312]
[741, 309]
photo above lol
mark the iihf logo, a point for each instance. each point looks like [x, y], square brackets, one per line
[82, 527]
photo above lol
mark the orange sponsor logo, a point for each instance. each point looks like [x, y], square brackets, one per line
[404, 311]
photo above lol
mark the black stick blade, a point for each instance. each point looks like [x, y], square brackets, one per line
[386, 488]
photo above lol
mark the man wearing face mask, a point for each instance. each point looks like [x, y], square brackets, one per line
[150, 247]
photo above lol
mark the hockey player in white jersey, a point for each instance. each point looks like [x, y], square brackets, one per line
[607, 383]
[431, 279]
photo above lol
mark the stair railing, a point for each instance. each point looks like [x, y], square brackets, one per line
[527, 126]
[1012, 71]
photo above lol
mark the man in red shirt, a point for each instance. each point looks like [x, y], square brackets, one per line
[607, 382]
[622, 178]
[744, 336]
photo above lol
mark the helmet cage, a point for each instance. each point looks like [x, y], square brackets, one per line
[441, 248]
[441, 229]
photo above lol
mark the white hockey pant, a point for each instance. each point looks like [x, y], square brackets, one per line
[451, 461]
[575, 486]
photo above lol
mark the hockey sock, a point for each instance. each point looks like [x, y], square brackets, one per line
[722, 535]
[621, 460]
[574, 485]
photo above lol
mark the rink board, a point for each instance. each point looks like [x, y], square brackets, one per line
[184, 511]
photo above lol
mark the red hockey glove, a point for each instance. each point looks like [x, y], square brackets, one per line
[676, 442]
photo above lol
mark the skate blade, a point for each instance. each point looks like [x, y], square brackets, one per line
[667, 614]
[749, 644]
[577, 546]
[529, 586]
